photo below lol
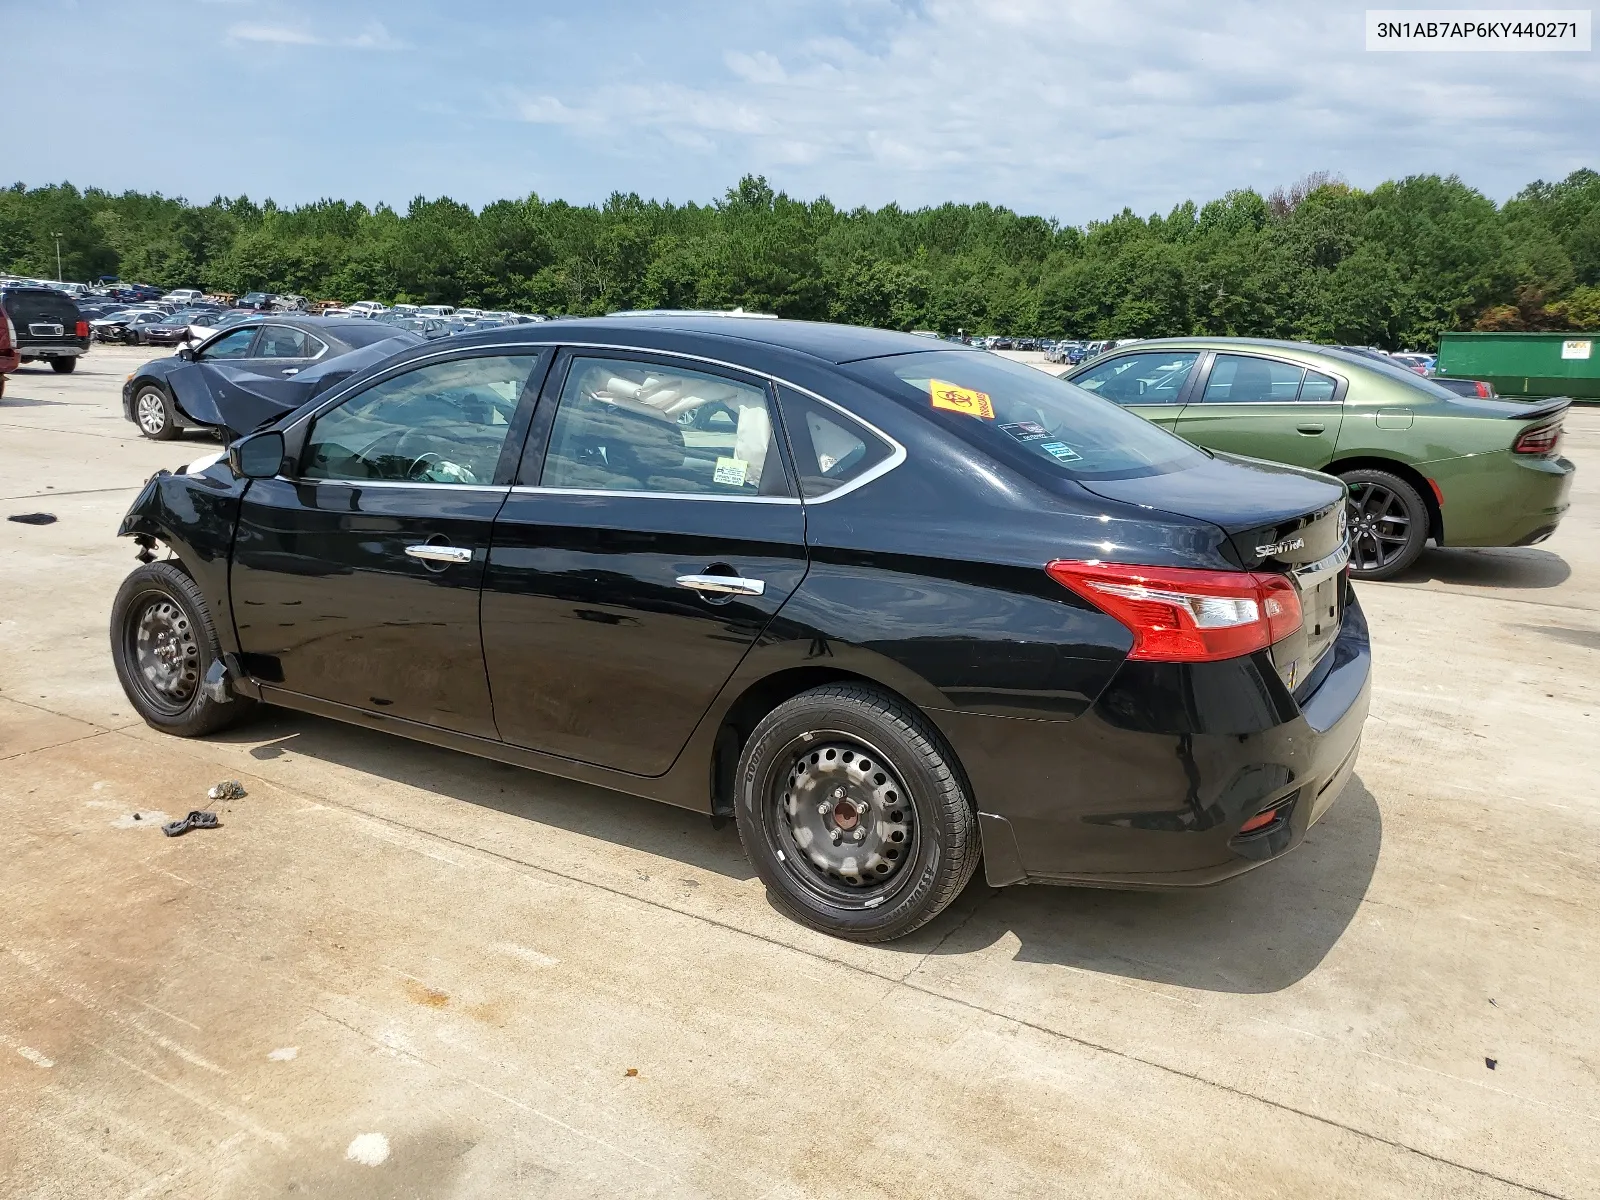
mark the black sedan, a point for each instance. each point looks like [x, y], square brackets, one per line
[896, 608]
[253, 372]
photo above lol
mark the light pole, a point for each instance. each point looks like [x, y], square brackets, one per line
[57, 237]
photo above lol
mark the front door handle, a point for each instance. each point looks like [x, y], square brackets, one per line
[723, 585]
[1311, 427]
[429, 552]
[291, 370]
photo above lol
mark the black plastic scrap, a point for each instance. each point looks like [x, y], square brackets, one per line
[33, 518]
[195, 820]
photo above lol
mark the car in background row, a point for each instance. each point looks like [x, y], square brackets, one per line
[1420, 462]
[254, 372]
[45, 326]
[911, 606]
[1479, 388]
[126, 325]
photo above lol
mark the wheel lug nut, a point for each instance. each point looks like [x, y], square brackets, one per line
[823, 808]
[839, 793]
[835, 836]
[861, 835]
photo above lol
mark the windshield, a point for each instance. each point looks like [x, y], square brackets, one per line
[1022, 415]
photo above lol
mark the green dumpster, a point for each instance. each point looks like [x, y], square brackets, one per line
[1526, 364]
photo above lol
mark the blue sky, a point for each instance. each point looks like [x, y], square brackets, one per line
[1057, 107]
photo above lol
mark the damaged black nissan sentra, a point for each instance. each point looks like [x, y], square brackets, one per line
[892, 606]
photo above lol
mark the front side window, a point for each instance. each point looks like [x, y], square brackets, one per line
[626, 425]
[441, 423]
[231, 345]
[1245, 379]
[1022, 415]
[1140, 378]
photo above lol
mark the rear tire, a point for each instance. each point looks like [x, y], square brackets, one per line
[855, 813]
[1388, 523]
[63, 366]
[152, 413]
[162, 644]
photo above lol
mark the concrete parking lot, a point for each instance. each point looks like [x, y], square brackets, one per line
[398, 971]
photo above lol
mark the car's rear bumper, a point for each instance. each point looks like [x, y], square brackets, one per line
[52, 350]
[1149, 788]
[1503, 499]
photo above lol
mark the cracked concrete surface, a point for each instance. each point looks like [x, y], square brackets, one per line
[397, 971]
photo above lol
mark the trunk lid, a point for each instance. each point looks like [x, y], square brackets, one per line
[1275, 518]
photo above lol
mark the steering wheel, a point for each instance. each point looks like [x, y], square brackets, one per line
[420, 460]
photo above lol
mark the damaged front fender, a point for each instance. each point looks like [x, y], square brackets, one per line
[194, 516]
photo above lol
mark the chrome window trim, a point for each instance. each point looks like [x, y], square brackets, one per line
[395, 483]
[897, 453]
[525, 489]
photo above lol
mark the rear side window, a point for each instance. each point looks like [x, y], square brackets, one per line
[1318, 386]
[1245, 379]
[1022, 415]
[636, 426]
[831, 450]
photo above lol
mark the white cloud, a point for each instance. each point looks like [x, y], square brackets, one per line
[373, 37]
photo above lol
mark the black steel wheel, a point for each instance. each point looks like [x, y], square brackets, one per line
[1388, 524]
[855, 813]
[162, 644]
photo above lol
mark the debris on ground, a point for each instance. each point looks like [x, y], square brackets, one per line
[33, 518]
[195, 820]
[136, 817]
[1491, 1063]
[630, 1073]
[228, 789]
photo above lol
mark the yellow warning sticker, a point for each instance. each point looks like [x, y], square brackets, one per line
[960, 399]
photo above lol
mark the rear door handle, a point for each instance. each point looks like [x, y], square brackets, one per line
[291, 370]
[428, 552]
[723, 585]
[1311, 427]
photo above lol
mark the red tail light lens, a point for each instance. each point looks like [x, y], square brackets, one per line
[1541, 439]
[1180, 614]
[82, 330]
[1483, 389]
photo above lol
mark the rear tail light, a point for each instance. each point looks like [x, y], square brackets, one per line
[1541, 439]
[1180, 614]
[1484, 391]
[82, 330]
[11, 333]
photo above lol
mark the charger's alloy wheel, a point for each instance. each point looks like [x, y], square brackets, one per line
[1388, 523]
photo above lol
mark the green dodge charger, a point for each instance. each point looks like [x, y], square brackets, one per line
[1419, 461]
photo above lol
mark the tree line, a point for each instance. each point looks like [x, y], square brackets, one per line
[1321, 260]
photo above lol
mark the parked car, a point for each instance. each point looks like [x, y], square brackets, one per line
[257, 301]
[366, 308]
[177, 328]
[1420, 462]
[1479, 388]
[434, 310]
[253, 372]
[10, 359]
[184, 296]
[911, 606]
[1422, 364]
[131, 327]
[46, 326]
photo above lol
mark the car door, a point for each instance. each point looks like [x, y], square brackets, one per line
[1266, 408]
[356, 580]
[653, 534]
[1154, 384]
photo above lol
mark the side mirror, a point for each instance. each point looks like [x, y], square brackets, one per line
[258, 455]
[186, 353]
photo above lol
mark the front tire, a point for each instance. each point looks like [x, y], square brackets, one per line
[1388, 524]
[855, 813]
[63, 366]
[152, 412]
[162, 644]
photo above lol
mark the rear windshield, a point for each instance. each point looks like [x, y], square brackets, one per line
[33, 304]
[1394, 372]
[1022, 415]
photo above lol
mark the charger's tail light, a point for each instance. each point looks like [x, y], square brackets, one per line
[1181, 614]
[1541, 439]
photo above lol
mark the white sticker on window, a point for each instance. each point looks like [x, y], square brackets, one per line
[730, 471]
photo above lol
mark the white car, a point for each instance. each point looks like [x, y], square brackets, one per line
[366, 308]
[184, 297]
[436, 310]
